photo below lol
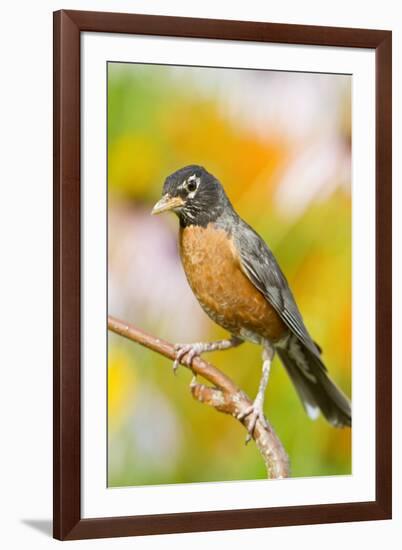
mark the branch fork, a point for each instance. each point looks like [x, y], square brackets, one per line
[224, 395]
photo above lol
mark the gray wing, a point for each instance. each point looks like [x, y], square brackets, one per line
[259, 265]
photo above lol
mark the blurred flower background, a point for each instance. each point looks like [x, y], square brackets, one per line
[280, 143]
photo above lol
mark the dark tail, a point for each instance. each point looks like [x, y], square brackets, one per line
[316, 390]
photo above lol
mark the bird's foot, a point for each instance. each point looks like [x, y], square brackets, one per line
[256, 412]
[188, 352]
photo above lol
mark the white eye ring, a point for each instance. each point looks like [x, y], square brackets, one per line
[192, 185]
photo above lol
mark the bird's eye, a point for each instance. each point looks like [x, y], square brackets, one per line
[191, 186]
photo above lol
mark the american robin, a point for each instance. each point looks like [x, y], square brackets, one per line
[239, 284]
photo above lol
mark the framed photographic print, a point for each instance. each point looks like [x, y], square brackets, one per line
[264, 284]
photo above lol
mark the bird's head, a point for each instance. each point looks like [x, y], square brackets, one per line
[194, 194]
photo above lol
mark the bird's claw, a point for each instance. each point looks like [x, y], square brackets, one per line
[256, 413]
[189, 351]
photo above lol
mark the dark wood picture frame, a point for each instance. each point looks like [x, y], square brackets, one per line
[68, 26]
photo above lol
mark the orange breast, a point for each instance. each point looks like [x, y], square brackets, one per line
[213, 271]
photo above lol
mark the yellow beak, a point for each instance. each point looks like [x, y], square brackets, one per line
[167, 203]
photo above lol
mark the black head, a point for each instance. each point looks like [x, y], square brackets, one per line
[194, 194]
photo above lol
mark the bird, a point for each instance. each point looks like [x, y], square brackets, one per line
[241, 287]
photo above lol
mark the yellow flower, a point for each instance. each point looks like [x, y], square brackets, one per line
[121, 386]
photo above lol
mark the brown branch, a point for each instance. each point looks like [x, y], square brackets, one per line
[224, 396]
